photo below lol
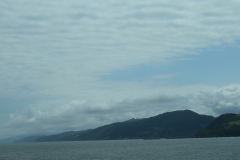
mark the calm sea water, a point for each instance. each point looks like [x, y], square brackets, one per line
[164, 149]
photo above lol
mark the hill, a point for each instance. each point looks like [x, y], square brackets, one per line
[226, 125]
[176, 124]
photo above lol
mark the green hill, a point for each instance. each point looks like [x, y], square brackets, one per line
[177, 124]
[226, 125]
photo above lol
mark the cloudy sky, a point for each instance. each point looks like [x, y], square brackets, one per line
[74, 65]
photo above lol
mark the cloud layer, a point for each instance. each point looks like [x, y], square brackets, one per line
[54, 54]
[48, 47]
[81, 115]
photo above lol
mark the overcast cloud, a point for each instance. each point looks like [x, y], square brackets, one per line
[80, 115]
[53, 55]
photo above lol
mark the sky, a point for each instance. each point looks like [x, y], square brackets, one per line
[75, 65]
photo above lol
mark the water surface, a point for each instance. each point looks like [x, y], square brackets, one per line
[165, 149]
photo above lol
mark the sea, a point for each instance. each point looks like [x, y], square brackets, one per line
[161, 149]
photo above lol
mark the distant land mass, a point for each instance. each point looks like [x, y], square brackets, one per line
[20, 138]
[11, 139]
[176, 124]
[226, 125]
[28, 139]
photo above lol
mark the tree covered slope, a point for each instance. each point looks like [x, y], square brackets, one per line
[176, 124]
[226, 125]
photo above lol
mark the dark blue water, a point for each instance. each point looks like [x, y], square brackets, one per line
[164, 149]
